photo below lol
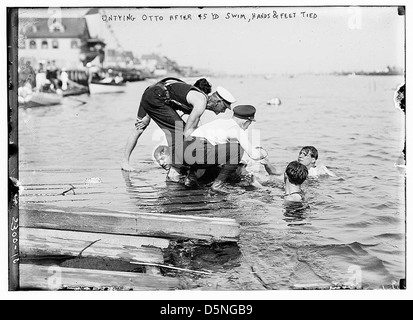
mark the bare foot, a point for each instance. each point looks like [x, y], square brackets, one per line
[127, 167]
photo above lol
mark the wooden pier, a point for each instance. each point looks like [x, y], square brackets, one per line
[66, 216]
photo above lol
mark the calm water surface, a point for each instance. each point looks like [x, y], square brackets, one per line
[353, 231]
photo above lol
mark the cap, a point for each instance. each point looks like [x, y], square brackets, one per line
[225, 95]
[245, 111]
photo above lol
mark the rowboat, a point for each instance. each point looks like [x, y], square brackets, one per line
[75, 91]
[106, 87]
[39, 99]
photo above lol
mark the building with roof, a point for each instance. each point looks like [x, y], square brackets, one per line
[67, 41]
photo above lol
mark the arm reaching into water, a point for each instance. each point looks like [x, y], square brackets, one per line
[272, 176]
[271, 170]
[254, 152]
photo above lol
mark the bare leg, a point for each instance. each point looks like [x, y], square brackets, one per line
[130, 146]
[140, 126]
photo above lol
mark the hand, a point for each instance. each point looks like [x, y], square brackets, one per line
[141, 124]
[263, 155]
[189, 139]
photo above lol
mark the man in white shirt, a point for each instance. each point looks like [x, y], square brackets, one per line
[222, 142]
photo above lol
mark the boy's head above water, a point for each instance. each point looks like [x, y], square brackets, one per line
[296, 173]
[308, 156]
[162, 156]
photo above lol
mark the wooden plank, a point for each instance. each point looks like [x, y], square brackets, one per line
[131, 223]
[148, 199]
[113, 239]
[56, 278]
[66, 193]
[38, 242]
[133, 189]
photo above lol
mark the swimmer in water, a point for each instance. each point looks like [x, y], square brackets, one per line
[294, 176]
[162, 156]
[308, 156]
[291, 179]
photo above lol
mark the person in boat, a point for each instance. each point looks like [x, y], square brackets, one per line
[41, 80]
[64, 78]
[51, 73]
[222, 143]
[26, 73]
[161, 101]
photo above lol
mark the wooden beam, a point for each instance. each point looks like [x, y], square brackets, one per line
[42, 242]
[114, 239]
[33, 277]
[130, 223]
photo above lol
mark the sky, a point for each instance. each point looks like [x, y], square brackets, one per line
[264, 39]
[332, 39]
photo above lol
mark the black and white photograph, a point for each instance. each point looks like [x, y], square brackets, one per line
[217, 148]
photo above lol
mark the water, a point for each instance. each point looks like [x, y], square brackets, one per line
[352, 233]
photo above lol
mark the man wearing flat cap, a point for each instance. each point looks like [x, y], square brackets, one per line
[161, 101]
[223, 142]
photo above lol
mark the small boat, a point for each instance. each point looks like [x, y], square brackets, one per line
[106, 87]
[39, 99]
[74, 91]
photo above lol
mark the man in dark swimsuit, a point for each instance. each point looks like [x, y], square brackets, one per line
[161, 102]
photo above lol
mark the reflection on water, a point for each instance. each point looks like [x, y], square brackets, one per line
[350, 225]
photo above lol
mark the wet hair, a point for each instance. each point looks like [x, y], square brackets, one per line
[313, 151]
[203, 85]
[296, 172]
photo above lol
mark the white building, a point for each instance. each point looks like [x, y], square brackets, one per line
[44, 39]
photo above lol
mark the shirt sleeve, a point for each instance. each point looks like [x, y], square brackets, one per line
[242, 137]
